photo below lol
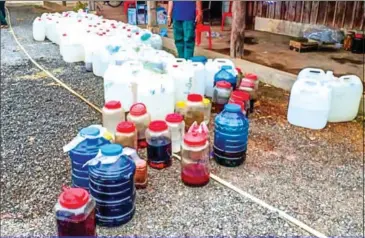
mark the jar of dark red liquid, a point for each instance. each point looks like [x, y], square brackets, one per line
[241, 96]
[159, 149]
[358, 44]
[195, 159]
[75, 213]
[221, 93]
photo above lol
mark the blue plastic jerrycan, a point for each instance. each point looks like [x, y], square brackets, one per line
[226, 73]
[84, 147]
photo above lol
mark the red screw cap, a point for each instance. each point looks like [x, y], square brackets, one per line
[157, 126]
[195, 98]
[113, 105]
[74, 198]
[174, 118]
[126, 127]
[195, 139]
[223, 84]
[138, 109]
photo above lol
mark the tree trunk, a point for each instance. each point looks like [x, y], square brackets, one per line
[238, 29]
[152, 16]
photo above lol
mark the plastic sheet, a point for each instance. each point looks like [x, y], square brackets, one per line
[324, 34]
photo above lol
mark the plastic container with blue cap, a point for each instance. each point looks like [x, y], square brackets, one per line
[231, 136]
[82, 149]
[226, 73]
[112, 186]
[199, 59]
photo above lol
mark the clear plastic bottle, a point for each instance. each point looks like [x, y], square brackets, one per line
[113, 113]
[221, 93]
[75, 213]
[176, 125]
[207, 110]
[194, 110]
[141, 118]
[159, 147]
[126, 134]
[141, 176]
[195, 159]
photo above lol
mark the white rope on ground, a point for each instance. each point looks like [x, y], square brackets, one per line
[254, 199]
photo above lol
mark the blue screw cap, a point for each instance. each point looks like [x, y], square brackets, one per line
[90, 131]
[230, 107]
[111, 149]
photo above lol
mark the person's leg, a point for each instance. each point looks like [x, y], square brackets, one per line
[179, 38]
[3, 14]
[189, 39]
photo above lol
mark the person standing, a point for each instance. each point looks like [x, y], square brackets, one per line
[3, 21]
[184, 15]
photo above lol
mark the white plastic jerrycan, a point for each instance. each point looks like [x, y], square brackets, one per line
[211, 68]
[157, 93]
[312, 73]
[309, 104]
[346, 97]
[120, 82]
[198, 81]
[183, 78]
[39, 29]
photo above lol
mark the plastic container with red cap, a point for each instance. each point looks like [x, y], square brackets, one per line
[221, 93]
[241, 96]
[159, 149]
[176, 125]
[141, 118]
[75, 213]
[250, 84]
[194, 110]
[195, 159]
[112, 115]
[126, 134]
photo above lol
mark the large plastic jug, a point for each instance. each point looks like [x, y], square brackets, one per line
[156, 41]
[39, 29]
[226, 73]
[158, 90]
[183, 78]
[309, 104]
[72, 49]
[346, 97]
[120, 82]
[112, 186]
[311, 73]
[198, 80]
[103, 57]
[84, 147]
[211, 68]
[231, 136]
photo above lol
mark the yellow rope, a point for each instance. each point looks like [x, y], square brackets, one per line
[280, 213]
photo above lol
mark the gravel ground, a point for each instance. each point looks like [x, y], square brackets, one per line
[314, 176]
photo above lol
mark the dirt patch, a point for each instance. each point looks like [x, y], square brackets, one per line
[346, 60]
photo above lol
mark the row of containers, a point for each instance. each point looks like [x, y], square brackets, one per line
[106, 170]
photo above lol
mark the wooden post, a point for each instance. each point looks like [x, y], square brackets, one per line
[152, 17]
[238, 29]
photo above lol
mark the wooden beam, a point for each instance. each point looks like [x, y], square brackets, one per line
[334, 15]
[343, 16]
[353, 15]
[152, 17]
[302, 12]
[325, 14]
[315, 10]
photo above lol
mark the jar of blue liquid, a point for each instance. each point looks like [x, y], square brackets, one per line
[159, 148]
[84, 147]
[231, 136]
[112, 186]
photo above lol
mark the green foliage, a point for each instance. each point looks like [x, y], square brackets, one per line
[80, 5]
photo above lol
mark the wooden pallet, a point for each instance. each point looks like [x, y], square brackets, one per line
[303, 46]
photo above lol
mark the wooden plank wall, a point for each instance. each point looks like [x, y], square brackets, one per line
[339, 14]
